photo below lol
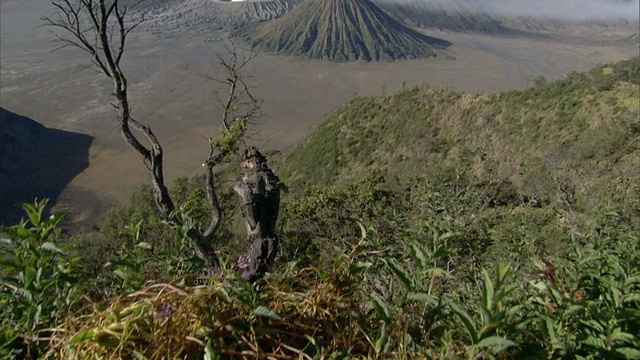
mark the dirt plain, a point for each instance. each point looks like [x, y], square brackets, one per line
[165, 62]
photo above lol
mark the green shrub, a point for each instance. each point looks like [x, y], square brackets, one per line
[39, 283]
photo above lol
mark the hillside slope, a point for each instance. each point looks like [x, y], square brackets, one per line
[459, 16]
[36, 162]
[207, 15]
[342, 30]
[507, 17]
[576, 140]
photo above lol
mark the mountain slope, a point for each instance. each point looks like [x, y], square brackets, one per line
[209, 14]
[342, 30]
[459, 16]
[574, 139]
[510, 17]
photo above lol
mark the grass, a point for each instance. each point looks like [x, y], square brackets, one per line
[582, 130]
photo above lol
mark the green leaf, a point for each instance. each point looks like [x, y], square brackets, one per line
[82, 336]
[418, 256]
[266, 312]
[382, 343]
[539, 285]
[630, 297]
[363, 231]
[34, 211]
[594, 324]
[436, 272]
[629, 314]
[449, 235]
[629, 353]
[495, 343]
[430, 300]
[144, 245]
[311, 339]
[595, 342]
[620, 337]
[18, 279]
[203, 331]
[487, 291]
[551, 332]
[441, 252]
[359, 266]
[24, 293]
[616, 296]
[574, 308]
[381, 309]
[401, 273]
[120, 274]
[138, 355]
[49, 246]
[628, 282]
[468, 323]
[224, 294]
[29, 275]
[209, 354]
[11, 264]
[502, 271]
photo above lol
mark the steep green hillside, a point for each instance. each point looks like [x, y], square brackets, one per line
[576, 140]
[342, 30]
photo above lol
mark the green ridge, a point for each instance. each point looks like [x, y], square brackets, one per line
[583, 131]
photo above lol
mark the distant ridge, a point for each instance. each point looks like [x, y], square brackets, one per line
[486, 17]
[209, 15]
[341, 30]
[631, 40]
[584, 128]
[453, 15]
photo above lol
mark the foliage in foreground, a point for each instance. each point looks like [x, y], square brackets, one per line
[374, 294]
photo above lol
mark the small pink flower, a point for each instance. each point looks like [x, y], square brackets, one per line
[243, 263]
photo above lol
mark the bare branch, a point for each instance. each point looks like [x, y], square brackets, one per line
[101, 28]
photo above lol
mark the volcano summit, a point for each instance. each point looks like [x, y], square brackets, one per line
[341, 30]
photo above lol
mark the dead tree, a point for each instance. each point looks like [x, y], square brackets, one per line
[259, 194]
[100, 28]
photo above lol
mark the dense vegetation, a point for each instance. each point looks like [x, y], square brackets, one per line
[429, 253]
[575, 139]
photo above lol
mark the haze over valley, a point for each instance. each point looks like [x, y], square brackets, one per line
[492, 46]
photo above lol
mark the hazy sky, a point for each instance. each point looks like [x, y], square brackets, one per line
[558, 9]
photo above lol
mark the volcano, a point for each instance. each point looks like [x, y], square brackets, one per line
[341, 30]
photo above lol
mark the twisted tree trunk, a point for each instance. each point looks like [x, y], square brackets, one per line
[101, 28]
[259, 193]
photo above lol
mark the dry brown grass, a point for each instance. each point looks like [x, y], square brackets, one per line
[303, 314]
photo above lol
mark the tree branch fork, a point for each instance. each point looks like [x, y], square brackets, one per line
[100, 28]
